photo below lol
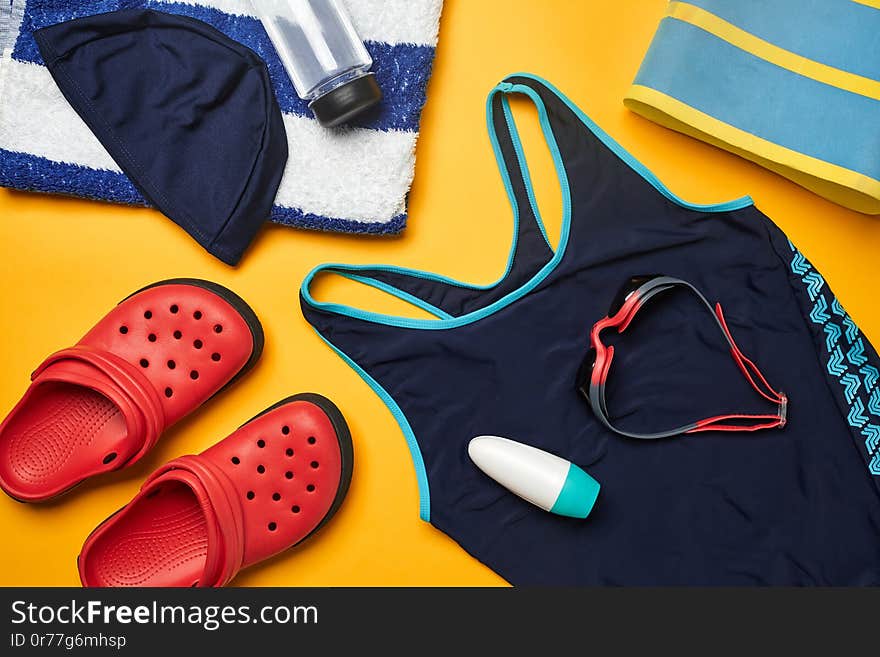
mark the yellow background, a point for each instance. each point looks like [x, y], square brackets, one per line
[66, 262]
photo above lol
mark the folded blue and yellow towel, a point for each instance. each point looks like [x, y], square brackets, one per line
[793, 85]
[353, 180]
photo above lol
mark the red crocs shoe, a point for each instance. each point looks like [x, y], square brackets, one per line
[198, 520]
[102, 404]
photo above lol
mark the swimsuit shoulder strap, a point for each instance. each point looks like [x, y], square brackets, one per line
[530, 252]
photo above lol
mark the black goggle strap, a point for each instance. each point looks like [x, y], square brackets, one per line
[727, 422]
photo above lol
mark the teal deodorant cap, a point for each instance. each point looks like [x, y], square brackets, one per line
[544, 479]
[578, 494]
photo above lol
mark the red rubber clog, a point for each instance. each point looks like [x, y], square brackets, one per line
[198, 520]
[102, 404]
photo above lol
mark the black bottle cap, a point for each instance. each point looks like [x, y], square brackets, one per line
[347, 101]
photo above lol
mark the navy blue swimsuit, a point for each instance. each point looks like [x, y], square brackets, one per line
[798, 505]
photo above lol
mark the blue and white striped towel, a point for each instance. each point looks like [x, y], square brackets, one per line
[354, 180]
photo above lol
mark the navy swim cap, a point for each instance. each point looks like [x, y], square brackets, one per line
[187, 113]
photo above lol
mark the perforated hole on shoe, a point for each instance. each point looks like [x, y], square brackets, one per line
[172, 327]
[235, 460]
[272, 526]
[285, 430]
[295, 508]
[250, 495]
[289, 451]
[311, 488]
[261, 443]
[261, 469]
[276, 496]
[312, 440]
[288, 475]
[218, 328]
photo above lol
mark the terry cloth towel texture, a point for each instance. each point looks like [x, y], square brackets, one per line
[793, 85]
[352, 180]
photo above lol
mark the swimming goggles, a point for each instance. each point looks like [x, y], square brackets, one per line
[593, 373]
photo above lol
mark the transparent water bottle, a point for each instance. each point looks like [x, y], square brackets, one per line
[323, 55]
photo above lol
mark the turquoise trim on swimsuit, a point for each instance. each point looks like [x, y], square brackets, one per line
[340, 268]
[448, 323]
[523, 167]
[400, 294]
[414, 450]
[436, 324]
[633, 163]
